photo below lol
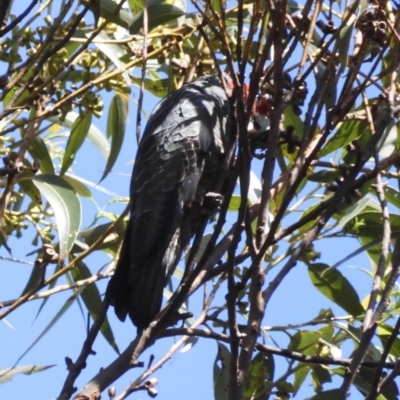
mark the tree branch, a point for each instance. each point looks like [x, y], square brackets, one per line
[292, 355]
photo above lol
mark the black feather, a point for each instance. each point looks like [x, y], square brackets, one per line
[176, 165]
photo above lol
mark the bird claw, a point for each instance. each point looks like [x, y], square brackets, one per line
[212, 202]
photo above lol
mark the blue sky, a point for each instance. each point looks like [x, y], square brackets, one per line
[185, 375]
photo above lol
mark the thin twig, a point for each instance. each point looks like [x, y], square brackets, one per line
[308, 39]
[141, 91]
[378, 385]
[273, 138]
[17, 20]
[61, 288]
[74, 369]
[385, 249]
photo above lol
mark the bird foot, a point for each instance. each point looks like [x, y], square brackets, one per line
[212, 202]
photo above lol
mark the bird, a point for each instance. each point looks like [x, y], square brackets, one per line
[177, 166]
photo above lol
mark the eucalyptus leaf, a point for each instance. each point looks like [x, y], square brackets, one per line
[79, 187]
[7, 374]
[66, 206]
[92, 299]
[108, 11]
[38, 150]
[332, 284]
[305, 342]
[116, 124]
[261, 376]
[158, 87]
[345, 38]
[299, 377]
[221, 373]
[160, 12]
[94, 135]
[347, 132]
[79, 131]
[388, 142]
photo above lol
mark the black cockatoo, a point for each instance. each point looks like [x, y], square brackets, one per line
[177, 164]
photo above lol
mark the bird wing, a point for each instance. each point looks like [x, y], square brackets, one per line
[179, 136]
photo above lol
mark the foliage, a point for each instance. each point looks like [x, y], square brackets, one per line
[325, 171]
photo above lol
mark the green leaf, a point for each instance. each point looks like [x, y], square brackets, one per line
[356, 209]
[324, 176]
[94, 135]
[291, 119]
[332, 284]
[135, 5]
[235, 202]
[107, 11]
[392, 196]
[189, 344]
[158, 87]
[347, 132]
[221, 373]
[305, 342]
[91, 297]
[306, 227]
[320, 376]
[7, 374]
[178, 274]
[231, 17]
[363, 382]
[373, 250]
[38, 150]
[88, 236]
[3, 241]
[116, 124]
[368, 224]
[66, 206]
[79, 131]
[332, 394]
[35, 278]
[388, 142]
[299, 377]
[113, 51]
[261, 372]
[284, 387]
[344, 44]
[51, 286]
[384, 332]
[160, 12]
[78, 186]
[327, 332]
[100, 189]
[21, 99]
[24, 180]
